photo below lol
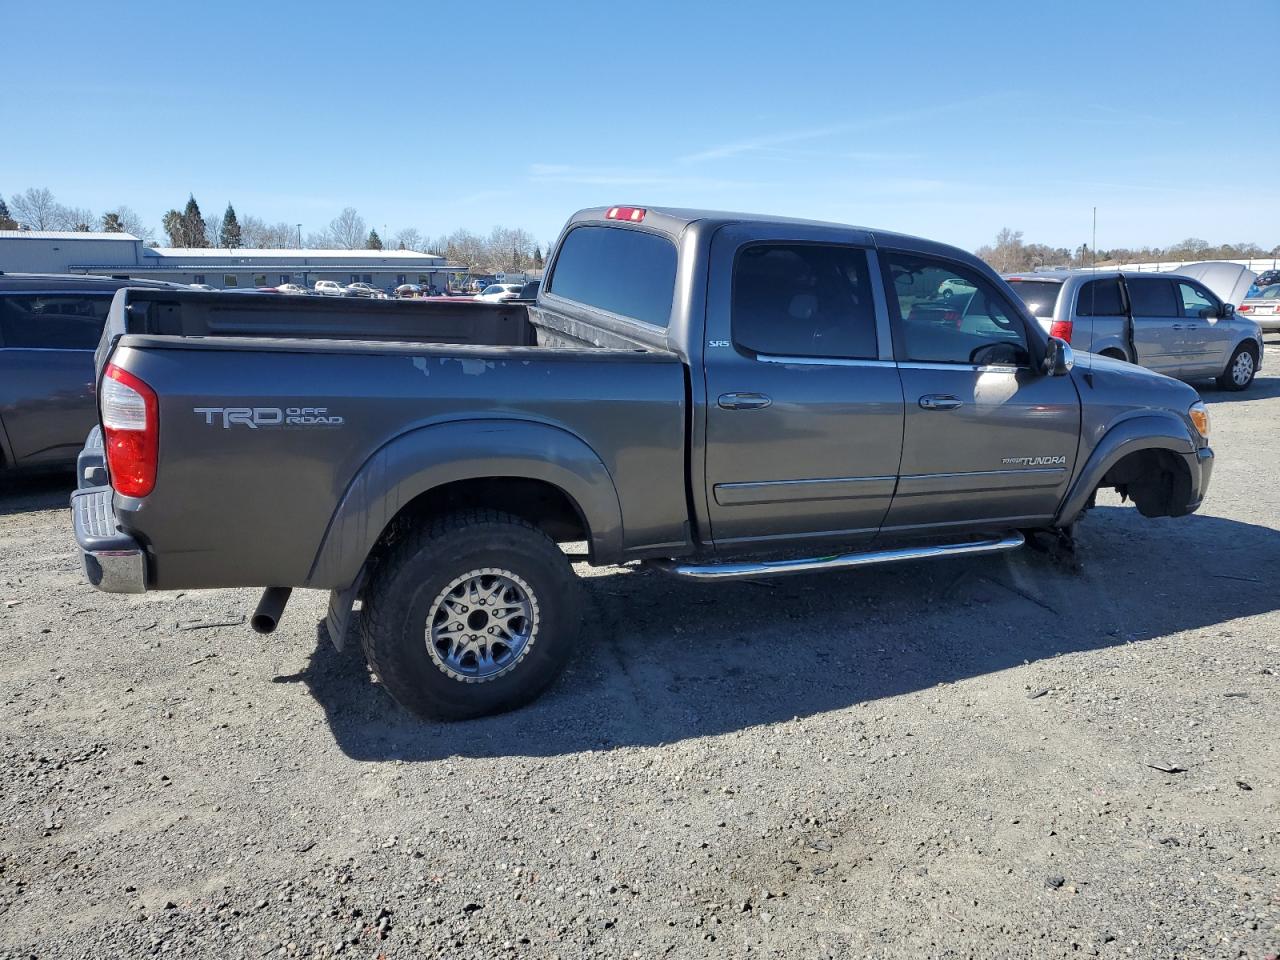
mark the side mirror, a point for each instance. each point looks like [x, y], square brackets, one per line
[1058, 358]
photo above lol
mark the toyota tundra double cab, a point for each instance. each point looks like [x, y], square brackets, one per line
[717, 395]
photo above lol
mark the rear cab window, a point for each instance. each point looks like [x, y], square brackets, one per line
[53, 321]
[620, 270]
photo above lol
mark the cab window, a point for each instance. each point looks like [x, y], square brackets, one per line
[974, 325]
[803, 300]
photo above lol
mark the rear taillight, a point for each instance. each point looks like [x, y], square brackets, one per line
[1061, 329]
[131, 431]
[1243, 308]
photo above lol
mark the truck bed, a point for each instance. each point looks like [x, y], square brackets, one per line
[241, 499]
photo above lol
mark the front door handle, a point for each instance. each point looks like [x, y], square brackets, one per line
[1177, 326]
[743, 401]
[939, 401]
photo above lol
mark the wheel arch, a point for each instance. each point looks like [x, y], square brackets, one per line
[458, 464]
[1153, 434]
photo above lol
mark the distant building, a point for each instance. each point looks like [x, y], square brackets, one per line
[122, 254]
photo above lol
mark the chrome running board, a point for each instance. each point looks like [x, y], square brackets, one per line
[844, 561]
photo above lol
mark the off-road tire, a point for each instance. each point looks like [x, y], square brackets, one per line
[1226, 381]
[409, 578]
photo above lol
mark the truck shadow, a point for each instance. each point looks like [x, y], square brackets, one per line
[26, 491]
[663, 660]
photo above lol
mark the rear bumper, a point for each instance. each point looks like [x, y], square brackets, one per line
[113, 561]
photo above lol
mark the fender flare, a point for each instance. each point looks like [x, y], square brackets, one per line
[427, 457]
[1146, 431]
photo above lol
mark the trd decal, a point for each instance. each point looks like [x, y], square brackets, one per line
[255, 417]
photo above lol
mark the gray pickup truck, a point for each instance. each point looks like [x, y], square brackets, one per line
[720, 396]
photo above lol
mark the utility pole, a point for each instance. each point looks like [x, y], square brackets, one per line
[299, 236]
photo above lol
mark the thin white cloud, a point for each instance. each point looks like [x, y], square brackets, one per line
[756, 144]
[624, 177]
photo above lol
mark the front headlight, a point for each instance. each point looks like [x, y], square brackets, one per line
[1199, 415]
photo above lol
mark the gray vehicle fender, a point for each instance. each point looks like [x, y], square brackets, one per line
[1146, 431]
[423, 459]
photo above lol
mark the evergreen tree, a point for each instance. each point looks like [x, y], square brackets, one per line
[111, 223]
[6, 219]
[229, 236]
[375, 241]
[193, 224]
[175, 227]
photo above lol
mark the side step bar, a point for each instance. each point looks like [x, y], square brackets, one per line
[846, 561]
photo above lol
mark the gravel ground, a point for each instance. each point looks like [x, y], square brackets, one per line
[997, 757]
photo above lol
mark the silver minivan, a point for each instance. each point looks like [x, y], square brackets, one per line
[1166, 322]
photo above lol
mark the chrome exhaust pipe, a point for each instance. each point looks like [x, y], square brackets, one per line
[270, 609]
[845, 561]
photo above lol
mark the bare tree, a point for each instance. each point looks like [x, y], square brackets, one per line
[408, 239]
[123, 219]
[348, 229]
[37, 209]
[213, 229]
[79, 219]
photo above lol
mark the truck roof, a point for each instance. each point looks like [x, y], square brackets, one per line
[674, 220]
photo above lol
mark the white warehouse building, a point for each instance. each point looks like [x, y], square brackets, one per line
[122, 254]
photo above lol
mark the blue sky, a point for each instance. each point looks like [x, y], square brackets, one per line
[943, 119]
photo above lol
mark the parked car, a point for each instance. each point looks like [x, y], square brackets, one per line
[364, 290]
[687, 397]
[1262, 306]
[1166, 322]
[330, 288]
[498, 292]
[408, 290]
[292, 288]
[1267, 278]
[49, 327]
[953, 286]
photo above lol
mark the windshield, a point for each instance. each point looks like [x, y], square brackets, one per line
[493, 288]
[1040, 296]
[1270, 292]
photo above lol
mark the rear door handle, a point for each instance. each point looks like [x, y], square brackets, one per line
[940, 401]
[743, 401]
[1177, 326]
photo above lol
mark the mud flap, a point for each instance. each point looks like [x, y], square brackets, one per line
[338, 619]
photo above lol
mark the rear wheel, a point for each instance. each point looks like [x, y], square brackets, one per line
[475, 613]
[1241, 369]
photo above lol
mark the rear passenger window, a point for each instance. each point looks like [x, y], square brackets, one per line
[1100, 298]
[53, 322]
[1151, 297]
[804, 300]
[623, 271]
